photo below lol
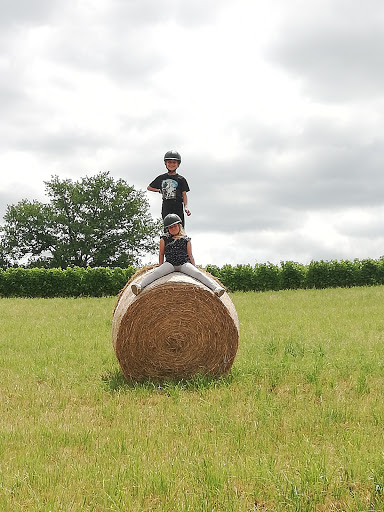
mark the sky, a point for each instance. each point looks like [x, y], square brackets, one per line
[276, 107]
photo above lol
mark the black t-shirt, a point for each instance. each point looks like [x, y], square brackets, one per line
[175, 250]
[172, 186]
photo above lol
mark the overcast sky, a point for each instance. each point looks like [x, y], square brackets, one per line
[276, 107]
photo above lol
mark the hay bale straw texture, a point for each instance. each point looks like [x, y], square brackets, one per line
[175, 328]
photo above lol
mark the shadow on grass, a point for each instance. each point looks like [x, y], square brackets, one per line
[114, 381]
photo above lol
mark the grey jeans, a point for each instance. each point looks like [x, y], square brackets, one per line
[186, 268]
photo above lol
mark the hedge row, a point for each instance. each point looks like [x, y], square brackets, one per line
[96, 282]
[70, 282]
[291, 275]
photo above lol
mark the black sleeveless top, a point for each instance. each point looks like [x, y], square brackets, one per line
[175, 250]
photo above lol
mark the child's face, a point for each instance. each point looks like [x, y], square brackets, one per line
[171, 165]
[174, 230]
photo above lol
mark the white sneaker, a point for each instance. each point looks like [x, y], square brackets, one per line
[219, 291]
[136, 288]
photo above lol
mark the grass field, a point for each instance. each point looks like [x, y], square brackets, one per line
[296, 426]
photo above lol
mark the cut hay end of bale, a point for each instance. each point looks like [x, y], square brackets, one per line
[175, 328]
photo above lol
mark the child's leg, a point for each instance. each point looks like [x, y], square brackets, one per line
[161, 271]
[194, 272]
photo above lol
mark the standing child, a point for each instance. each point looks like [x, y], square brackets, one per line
[172, 186]
[176, 247]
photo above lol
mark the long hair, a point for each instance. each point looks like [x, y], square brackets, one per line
[180, 234]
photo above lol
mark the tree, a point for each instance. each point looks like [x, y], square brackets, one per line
[94, 222]
[4, 261]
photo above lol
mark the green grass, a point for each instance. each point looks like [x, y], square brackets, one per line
[296, 426]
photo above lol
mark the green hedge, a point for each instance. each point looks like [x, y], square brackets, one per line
[291, 275]
[70, 282]
[96, 282]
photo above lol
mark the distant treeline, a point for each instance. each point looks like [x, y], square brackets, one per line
[97, 282]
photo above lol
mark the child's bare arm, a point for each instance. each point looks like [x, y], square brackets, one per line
[189, 251]
[185, 202]
[153, 189]
[161, 251]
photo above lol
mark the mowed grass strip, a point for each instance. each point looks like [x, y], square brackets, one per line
[296, 426]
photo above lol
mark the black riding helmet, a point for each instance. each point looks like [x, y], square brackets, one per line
[172, 155]
[170, 220]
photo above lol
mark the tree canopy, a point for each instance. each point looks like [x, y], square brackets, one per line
[96, 221]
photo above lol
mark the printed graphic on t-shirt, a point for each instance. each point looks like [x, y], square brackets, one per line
[168, 188]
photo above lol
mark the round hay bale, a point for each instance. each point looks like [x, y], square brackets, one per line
[175, 328]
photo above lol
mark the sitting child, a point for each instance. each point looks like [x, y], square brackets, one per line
[176, 247]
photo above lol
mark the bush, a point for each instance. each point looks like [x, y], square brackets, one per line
[318, 274]
[96, 282]
[292, 275]
[267, 277]
[371, 272]
[343, 274]
[70, 282]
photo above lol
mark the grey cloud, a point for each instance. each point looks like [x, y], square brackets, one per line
[233, 197]
[119, 42]
[29, 129]
[199, 12]
[13, 194]
[236, 217]
[333, 177]
[12, 97]
[337, 52]
[189, 13]
[121, 14]
[63, 142]
[125, 57]
[253, 247]
[366, 225]
[327, 164]
[261, 193]
[292, 245]
[26, 12]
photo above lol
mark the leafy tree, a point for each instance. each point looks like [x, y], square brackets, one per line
[93, 222]
[4, 261]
